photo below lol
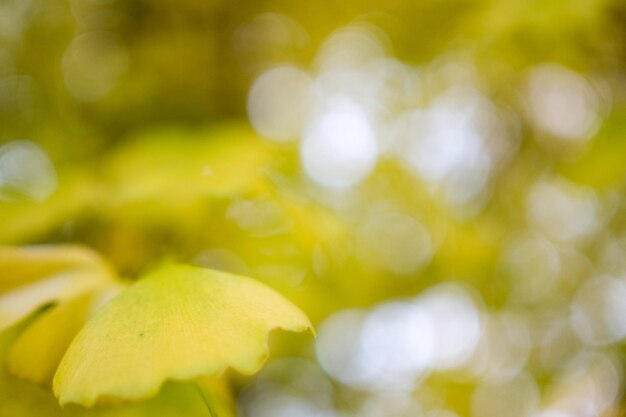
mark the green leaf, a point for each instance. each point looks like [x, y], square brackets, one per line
[179, 322]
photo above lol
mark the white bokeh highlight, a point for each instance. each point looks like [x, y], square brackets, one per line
[280, 102]
[26, 172]
[339, 147]
[562, 103]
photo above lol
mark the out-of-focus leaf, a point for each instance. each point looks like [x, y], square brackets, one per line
[176, 166]
[23, 221]
[23, 265]
[38, 350]
[172, 173]
[179, 322]
[31, 277]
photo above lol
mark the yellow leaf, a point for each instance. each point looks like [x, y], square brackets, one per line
[20, 398]
[23, 265]
[154, 165]
[23, 221]
[180, 322]
[31, 277]
[38, 350]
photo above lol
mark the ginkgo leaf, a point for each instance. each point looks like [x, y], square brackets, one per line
[33, 276]
[25, 221]
[19, 398]
[38, 350]
[153, 165]
[22, 265]
[179, 322]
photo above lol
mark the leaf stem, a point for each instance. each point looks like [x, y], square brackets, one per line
[204, 396]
